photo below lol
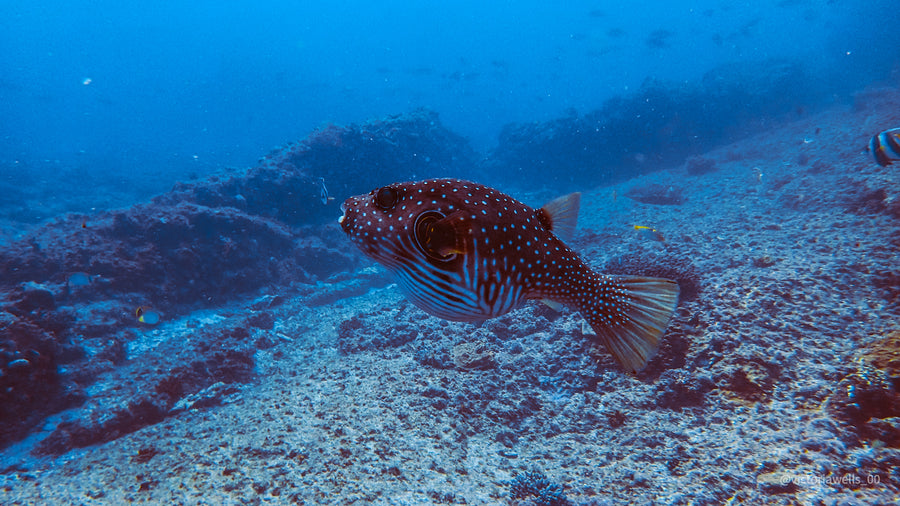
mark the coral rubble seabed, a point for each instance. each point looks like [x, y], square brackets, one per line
[286, 368]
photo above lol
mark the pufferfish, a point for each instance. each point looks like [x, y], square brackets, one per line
[466, 252]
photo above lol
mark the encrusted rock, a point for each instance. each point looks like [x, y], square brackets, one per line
[35, 296]
[657, 194]
[777, 482]
[474, 355]
[698, 165]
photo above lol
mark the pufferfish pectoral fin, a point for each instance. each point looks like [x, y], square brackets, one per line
[631, 324]
[447, 236]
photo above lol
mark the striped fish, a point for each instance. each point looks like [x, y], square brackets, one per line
[466, 252]
[886, 147]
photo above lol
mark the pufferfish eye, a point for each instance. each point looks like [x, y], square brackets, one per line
[386, 198]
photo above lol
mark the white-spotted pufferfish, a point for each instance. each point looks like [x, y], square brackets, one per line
[466, 252]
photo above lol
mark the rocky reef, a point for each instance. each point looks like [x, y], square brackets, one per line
[660, 124]
[285, 368]
[287, 184]
[69, 288]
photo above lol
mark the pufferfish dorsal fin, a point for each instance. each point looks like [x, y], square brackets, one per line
[560, 215]
[447, 236]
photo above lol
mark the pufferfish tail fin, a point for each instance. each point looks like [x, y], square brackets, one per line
[630, 316]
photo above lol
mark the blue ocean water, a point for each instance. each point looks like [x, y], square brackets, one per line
[179, 303]
[147, 86]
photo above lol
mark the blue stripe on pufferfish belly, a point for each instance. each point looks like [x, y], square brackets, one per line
[472, 294]
[438, 292]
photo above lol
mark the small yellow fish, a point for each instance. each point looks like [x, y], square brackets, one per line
[147, 315]
[650, 233]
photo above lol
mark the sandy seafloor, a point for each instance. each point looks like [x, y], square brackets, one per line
[367, 400]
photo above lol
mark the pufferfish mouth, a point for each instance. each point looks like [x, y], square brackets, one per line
[348, 215]
[343, 212]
